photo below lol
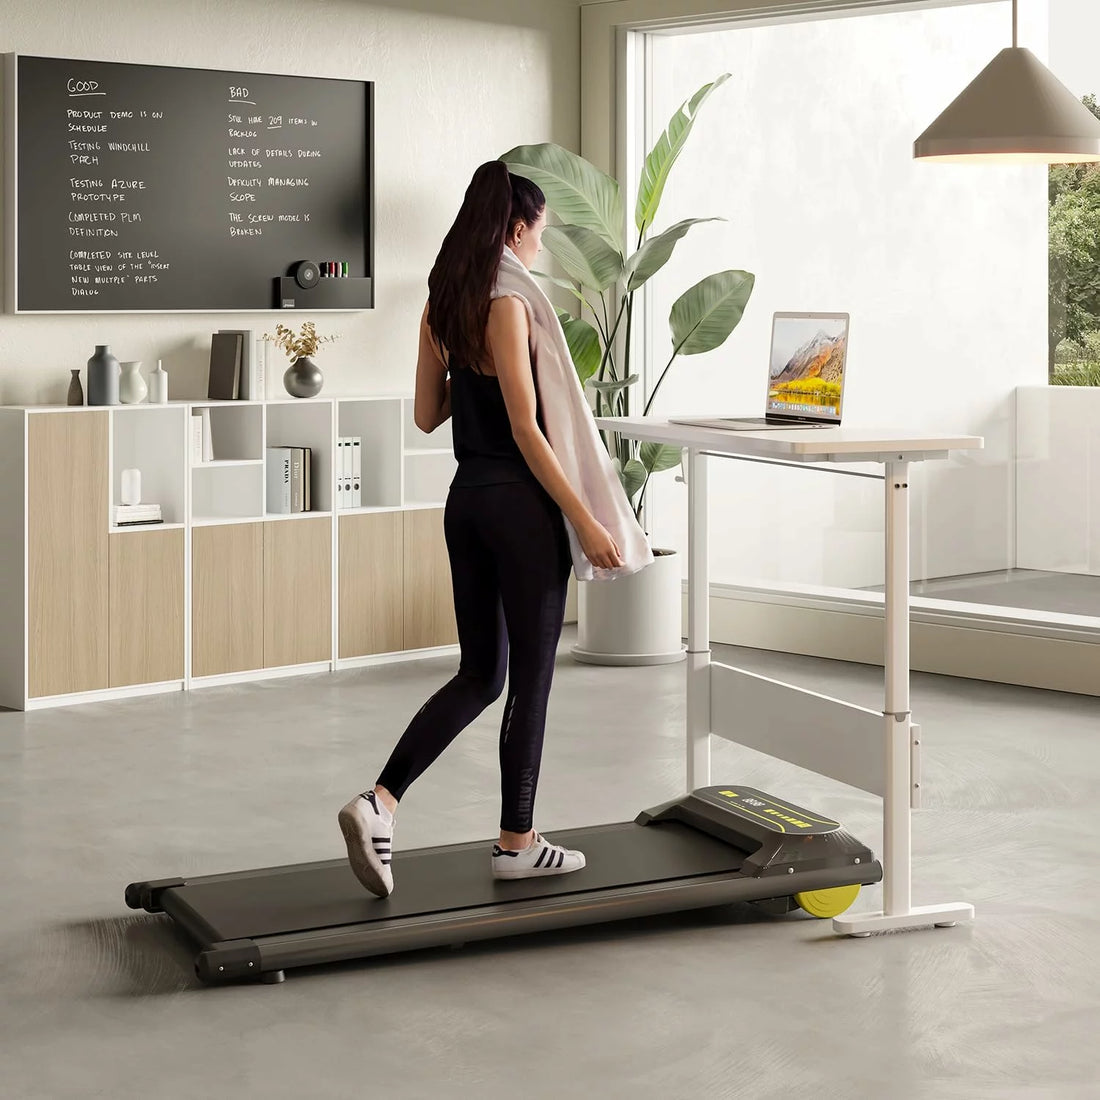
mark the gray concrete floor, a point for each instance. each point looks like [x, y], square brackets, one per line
[97, 1001]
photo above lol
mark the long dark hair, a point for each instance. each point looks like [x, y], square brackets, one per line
[462, 277]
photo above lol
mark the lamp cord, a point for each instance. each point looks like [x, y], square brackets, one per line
[1014, 24]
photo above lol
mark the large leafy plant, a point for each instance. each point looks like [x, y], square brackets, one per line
[589, 244]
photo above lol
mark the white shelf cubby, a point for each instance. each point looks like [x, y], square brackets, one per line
[306, 423]
[153, 440]
[427, 476]
[236, 430]
[417, 442]
[234, 491]
[377, 422]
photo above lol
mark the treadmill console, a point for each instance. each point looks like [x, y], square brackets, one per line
[777, 836]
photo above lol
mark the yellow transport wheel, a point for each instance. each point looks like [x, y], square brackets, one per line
[827, 903]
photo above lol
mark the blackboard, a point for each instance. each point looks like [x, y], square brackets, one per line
[162, 188]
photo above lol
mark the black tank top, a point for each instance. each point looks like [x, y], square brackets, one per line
[484, 446]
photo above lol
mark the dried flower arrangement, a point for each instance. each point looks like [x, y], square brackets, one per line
[303, 343]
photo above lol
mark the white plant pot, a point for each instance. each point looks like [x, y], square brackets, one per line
[635, 620]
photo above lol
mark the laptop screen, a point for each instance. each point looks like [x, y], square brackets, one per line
[806, 371]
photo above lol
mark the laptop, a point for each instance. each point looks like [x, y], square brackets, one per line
[805, 376]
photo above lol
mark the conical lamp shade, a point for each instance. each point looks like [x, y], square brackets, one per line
[1015, 109]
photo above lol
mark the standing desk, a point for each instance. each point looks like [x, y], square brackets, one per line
[876, 751]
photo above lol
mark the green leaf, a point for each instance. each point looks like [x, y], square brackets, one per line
[614, 385]
[633, 477]
[664, 154]
[703, 316]
[565, 284]
[584, 345]
[655, 253]
[576, 190]
[586, 256]
[656, 457]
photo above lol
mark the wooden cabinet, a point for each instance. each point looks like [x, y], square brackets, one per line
[372, 611]
[146, 602]
[227, 598]
[429, 600]
[395, 583]
[297, 611]
[219, 586]
[67, 567]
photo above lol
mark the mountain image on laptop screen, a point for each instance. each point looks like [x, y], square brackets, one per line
[807, 365]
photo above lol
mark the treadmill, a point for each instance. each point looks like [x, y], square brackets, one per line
[713, 846]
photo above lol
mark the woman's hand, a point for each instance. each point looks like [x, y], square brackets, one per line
[598, 545]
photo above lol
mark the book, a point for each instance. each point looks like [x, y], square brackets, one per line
[136, 522]
[196, 439]
[307, 479]
[224, 381]
[278, 480]
[297, 493]
[136, 513]
[248, 388]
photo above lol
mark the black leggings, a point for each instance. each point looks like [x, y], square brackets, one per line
[510, 566]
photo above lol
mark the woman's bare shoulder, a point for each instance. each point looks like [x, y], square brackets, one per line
[508, 311]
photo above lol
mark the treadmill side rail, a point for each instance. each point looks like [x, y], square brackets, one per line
[228, 961]
[780, 837]
[146, 895]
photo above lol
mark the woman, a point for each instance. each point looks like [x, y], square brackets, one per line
[506, 539]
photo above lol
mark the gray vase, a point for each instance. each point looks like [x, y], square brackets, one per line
[303, 378]
[76, 391]
[103, 377]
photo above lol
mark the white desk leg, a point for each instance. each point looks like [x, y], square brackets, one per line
[898, 912]
[698, 654]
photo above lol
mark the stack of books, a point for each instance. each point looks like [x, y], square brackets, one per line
[289, 472]
[348, 470]
[128, 515]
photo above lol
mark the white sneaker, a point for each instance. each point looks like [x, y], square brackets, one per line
[368, 830]
[540, 857]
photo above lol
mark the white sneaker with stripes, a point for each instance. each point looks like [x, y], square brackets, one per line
[368, 831]
[540, 857]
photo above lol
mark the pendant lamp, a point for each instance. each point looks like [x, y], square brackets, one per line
[1015, 109]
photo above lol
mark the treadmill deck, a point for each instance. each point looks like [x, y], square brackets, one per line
[277, 901]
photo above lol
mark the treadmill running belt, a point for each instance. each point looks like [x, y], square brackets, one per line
[327, 894]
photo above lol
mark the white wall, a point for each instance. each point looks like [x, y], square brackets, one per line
[457, 82]
[807, 151]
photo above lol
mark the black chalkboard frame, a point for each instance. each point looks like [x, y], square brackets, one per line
[355, 295]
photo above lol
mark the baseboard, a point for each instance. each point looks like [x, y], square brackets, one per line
[1008, 649]
[132, 691]
[399, 656]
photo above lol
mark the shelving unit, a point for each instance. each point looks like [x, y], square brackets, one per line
[153, 440]
[221, 590]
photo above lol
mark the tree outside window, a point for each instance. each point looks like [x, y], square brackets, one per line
[1073, 336]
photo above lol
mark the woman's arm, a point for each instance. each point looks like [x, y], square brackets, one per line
[507, 335]
[432, 402]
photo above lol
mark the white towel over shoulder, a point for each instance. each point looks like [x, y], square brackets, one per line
[570, 430]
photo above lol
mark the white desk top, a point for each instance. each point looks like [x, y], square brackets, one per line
[796, 444]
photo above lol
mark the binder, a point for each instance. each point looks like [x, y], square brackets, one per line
[356, 479]
[338, 474]
[278, 480]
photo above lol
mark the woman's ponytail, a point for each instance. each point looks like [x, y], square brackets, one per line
[461, 281]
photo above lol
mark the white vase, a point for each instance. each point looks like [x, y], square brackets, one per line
[158, 385]
[635, 620]
[132, 389]
[130, 491]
